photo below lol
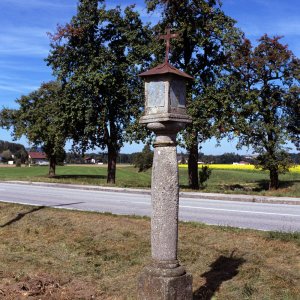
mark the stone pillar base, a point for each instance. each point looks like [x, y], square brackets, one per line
[174, 284]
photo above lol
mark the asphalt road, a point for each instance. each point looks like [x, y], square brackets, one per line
[260, 216]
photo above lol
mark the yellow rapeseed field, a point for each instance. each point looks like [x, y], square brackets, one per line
[295, 169]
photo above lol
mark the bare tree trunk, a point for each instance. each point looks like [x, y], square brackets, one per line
[193, 165]
[274, 179]
[111, 166]
[112, 151]
[52, 166]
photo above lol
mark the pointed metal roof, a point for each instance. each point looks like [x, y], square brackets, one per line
[165, 68]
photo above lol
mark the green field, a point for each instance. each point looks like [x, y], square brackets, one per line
[52, 254]
[222, 180]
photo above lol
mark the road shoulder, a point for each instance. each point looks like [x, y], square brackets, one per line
[194, 195]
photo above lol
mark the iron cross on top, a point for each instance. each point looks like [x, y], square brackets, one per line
[167, 37]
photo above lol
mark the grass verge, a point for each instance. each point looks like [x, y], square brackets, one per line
[230, 181]
[56, 254]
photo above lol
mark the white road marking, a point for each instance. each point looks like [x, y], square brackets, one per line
[240, 211]
[21, 202]
[148, 203]
[181, 206]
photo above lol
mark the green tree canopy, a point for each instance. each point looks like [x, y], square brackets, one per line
[17, 150]
[98, 56]
[143, 160]
[38, 118]
[294, 116]
[6, 155]
[265, 89]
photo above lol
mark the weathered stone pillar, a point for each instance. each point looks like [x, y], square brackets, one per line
[165, 114]
[165, 278]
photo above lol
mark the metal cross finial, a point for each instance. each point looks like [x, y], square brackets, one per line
[167, 37]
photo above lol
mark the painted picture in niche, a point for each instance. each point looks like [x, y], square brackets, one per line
[156, 94]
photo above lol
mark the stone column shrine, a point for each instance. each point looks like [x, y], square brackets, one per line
[165, 114]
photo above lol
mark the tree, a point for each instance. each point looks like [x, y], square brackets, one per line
[266, 81]
[208, 37]
[294, 115]
[6, 155]
[143, 160]
[17, 150]
[229, 158]
[21, 155]
[182, 159]
[98, 56]
[38, 118]
[204, 175]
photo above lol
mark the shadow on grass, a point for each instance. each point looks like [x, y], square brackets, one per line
[21, 216]
[183, 186]
[237, 187]
[80, 177]
[223, 269]
[263, 185]
[187, 187]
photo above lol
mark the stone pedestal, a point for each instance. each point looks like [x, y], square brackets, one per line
[155, 286]
[165, 278]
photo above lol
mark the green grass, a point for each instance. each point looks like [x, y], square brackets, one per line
[96, 175]
[221, 181]
[247, 182]
[55, 254]
[283, 236]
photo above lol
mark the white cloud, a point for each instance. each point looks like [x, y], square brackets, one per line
[281, 27]
[17, 84]
[24, 41]
[39, 3]
[288, 27]
[8, 65]
[17, 88]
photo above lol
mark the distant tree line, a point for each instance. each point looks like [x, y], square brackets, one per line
[12, 151]
[102, 157]
[230, 158]
[13, 147]
[226, 158]
[144, 158]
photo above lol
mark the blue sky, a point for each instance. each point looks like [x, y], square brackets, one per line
[24, 43]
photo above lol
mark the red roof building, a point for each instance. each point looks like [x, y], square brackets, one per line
[36, 157]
